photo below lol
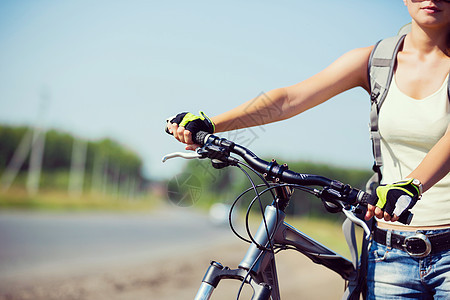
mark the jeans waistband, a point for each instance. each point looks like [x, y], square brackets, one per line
[417, 244]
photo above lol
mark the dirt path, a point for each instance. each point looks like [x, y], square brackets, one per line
[170, 278]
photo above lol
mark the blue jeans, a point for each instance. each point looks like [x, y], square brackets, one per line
[393, 274]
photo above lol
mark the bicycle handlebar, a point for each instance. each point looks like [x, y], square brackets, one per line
[281, 173]
[270, 168]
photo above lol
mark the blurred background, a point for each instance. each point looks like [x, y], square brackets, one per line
[86, 87]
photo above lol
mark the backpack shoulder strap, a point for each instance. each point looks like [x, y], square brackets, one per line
[448, 88]
[380, 71]
[404, 29]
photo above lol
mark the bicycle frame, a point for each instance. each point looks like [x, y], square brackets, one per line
[257, 267]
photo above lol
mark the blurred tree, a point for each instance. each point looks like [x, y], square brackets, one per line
[107, 158]
[224, 185]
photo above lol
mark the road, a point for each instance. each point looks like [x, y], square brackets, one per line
[36, 243]
[160, 255]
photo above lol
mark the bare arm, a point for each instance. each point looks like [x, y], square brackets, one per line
[348, 71]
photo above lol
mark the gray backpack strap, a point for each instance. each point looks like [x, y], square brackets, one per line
[404, 29]
[381, 69]
[448, 88]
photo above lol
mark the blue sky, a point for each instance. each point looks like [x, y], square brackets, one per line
[119, 68]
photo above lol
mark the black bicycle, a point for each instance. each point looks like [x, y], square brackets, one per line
[258, 268]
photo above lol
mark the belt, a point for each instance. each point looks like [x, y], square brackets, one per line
[418, 245]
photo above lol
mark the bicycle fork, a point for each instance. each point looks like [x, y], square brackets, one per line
[257, 267]
[216, 272]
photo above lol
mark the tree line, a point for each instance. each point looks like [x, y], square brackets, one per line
[106, 157]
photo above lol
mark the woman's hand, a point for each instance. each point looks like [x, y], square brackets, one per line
[394, 199]
[182, 135]
[373, 210]
[184, 125]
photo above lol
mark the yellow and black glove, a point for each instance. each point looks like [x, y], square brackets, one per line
[398, 197]
[193, 123]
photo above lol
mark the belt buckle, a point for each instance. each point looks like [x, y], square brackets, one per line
[418, 236]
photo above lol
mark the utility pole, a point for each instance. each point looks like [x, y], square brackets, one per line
[16, 161]
[33, 141]
[97, 172]
[37, 147]
[36, 156]
[77, 167]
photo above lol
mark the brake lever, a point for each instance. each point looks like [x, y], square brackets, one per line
[185, 155]
[357, 221]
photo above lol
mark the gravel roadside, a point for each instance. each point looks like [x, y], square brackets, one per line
[169, 278]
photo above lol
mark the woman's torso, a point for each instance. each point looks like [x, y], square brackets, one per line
[414, 116]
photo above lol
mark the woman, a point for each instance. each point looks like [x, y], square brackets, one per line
[414, 124]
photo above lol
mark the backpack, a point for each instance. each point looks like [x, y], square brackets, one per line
[380, 70]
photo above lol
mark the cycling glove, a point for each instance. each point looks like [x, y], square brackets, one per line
[194, 123]
[398, 197]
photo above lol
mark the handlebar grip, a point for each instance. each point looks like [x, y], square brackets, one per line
[404, 218]
[200, 137]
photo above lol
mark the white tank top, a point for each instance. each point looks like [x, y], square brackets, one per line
[409, 128]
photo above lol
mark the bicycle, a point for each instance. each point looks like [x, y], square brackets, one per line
[258, 268]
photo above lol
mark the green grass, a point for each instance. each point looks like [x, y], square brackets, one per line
[325, 231]
[57, 200]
